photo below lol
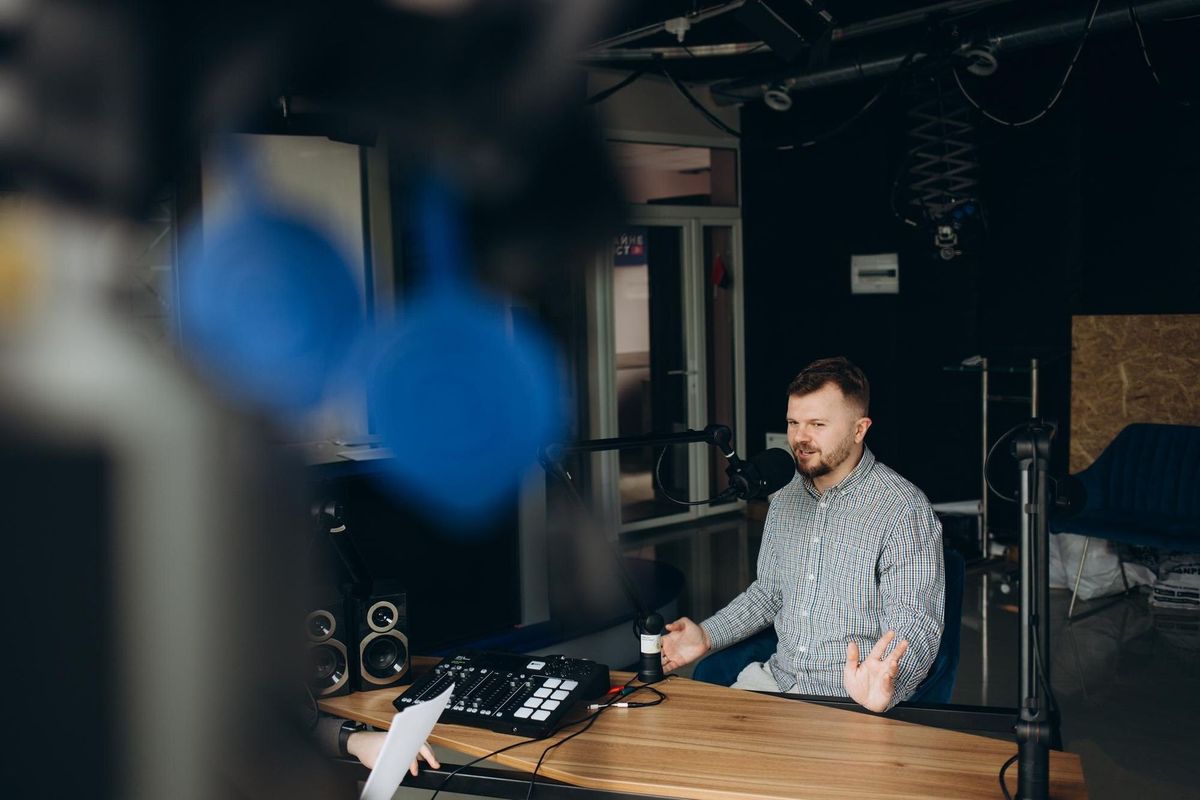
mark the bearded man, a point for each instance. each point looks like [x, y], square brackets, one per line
[851, 561]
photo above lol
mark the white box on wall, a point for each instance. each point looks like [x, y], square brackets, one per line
[877, 273]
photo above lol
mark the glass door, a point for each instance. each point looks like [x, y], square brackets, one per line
[652, 375]
[721, 337]
[666, 338]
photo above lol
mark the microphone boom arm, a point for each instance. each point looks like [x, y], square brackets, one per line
[551, 455]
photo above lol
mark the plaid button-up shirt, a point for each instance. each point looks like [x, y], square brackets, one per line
[854, 561]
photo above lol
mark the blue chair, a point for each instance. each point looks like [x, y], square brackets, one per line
[723, 667]
[1143, 489]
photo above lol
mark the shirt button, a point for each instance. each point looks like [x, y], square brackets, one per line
[812, 577]
[816, 539]
[804, 613]
[803, 649]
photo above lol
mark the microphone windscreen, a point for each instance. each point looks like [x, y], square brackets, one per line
[776, 466]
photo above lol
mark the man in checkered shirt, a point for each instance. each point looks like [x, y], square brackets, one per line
[851, 560]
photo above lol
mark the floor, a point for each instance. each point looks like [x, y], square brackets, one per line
[1125, 676]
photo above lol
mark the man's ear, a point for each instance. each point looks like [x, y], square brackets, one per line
[860, 429]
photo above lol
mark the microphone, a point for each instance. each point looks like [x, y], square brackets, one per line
[767, 472]
[650, 632]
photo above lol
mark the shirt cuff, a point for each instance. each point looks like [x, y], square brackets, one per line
[720, 631]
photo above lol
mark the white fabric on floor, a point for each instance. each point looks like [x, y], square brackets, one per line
[1102, 571]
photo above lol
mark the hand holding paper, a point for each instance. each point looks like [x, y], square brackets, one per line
[405, 739]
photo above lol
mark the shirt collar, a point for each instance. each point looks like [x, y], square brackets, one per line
[847, 483]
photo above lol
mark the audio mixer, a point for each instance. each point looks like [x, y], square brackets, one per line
[510, 693]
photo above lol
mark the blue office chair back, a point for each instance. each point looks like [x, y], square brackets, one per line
[938, 685]
[723, 667]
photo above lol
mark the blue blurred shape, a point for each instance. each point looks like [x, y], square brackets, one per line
[269, 307]
[463, 404]
[463, 397]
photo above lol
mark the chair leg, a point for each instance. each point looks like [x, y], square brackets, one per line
[1079, 574]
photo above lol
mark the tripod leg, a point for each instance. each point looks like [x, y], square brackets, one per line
[1079, 574]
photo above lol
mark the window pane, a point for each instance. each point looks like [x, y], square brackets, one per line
[677, 175]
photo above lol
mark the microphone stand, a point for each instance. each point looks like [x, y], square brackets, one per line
[329, 519]
[1037, 726]
[550, 457]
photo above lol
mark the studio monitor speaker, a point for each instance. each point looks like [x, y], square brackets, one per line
[381, 638]
[328, 656]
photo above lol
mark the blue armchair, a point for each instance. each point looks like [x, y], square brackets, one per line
[1144, 489]
[724, 666]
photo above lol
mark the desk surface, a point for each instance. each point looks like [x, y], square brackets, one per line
[711, 743]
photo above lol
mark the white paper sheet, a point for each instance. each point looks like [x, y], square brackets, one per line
[410, 728]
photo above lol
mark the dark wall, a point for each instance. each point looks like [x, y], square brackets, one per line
[1093, 209]
[445, 570]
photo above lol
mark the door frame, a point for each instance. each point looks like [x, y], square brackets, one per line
[602, 400]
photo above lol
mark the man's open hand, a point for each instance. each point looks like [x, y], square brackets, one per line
[872, 682]
[685, 642]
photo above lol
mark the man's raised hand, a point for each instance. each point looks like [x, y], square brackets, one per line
[872, 682]
[684, 643]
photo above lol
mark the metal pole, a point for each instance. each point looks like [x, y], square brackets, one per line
[983, 502]
[1034, 728]
[1033, 387]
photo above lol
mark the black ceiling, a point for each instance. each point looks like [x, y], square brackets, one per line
[964, 17]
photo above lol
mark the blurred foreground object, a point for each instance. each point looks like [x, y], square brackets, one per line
[153, 563]
[152, 568]
[267, 305]
[463, 397]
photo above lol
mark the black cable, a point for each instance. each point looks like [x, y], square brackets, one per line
[666, 494]
[591, 721]
[1137, 26]
[541, 738]
[1003, 769]
[1053, 100]
[604, 94]
[901, 69]
[988, 460]
[708, 115]
[1041, 672]
[588, 719]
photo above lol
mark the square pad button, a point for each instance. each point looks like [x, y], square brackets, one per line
[540, 715]
[559, 694]
[522, 713]
[552, 683]
[542, 692]
[533, 702]
[550, 705]
[569, 685]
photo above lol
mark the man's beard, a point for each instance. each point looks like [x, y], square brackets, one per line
[824, 465]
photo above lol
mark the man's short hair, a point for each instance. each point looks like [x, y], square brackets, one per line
[839, 371]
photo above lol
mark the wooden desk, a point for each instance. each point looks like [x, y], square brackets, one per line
[711, 743]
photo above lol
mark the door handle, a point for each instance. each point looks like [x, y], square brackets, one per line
[681, 372]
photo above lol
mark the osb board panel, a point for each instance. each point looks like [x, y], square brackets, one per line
[1131, 369]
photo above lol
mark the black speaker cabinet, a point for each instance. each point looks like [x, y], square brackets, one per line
[381, 639]
[329, 665]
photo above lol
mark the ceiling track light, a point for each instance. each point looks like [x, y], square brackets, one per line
[777, 97]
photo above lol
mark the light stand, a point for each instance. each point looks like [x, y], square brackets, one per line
[1037, 726]
[648, 625]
